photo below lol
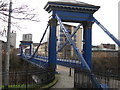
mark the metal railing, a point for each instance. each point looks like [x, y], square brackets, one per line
[30, 79]
[82, 80]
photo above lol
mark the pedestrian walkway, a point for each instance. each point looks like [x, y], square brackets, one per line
[64, 81]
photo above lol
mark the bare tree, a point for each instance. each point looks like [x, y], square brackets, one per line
[19, 13]
[23, 12]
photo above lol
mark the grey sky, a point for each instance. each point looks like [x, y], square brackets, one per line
[107, 15]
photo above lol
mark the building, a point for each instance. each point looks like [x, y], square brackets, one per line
[3, 37]
[27, 37]
[42, 50]
[108, 46]
[35, 45]
[13, 39]
[68, 51]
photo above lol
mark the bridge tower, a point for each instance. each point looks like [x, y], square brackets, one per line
[76, 12]
[27, 43]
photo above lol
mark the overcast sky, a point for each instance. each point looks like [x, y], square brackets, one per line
[107, 15]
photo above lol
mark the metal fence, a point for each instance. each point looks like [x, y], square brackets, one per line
[112, 80]
[82, 80]
[30, 79]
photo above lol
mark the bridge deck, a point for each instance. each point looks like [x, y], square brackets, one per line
[43, 61]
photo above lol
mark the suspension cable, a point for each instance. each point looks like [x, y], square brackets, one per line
[40, 42]
[80, 57]
[107, 32]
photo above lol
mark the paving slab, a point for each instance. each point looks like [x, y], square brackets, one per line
[64, 81]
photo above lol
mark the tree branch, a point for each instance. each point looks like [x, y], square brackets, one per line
[22, 12]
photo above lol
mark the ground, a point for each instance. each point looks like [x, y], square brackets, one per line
[64, 81]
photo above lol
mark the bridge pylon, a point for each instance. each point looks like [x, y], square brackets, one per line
[52, 57]
[76, 12]
[26, 43]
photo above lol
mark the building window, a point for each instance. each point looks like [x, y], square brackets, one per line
[61, 39]
[69, 31]
[62, 35]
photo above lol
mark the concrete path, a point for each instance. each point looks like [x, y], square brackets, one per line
[64, 81]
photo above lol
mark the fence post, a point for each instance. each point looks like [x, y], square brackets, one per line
[70, 72]
[26, 79]
[15, 73]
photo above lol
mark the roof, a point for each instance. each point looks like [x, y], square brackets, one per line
[26, 41]
[35, 44]
[44, 43]
[73, 2]
[69, 5]
[104, 49]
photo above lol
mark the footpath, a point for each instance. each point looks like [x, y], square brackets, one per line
[64, 80]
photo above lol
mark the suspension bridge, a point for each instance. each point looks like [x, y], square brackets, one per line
[75, 12]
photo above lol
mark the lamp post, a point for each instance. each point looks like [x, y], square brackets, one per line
[119, 36]
[6, 76]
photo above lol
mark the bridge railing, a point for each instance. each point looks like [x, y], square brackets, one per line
[113, 81]
[82, 80]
